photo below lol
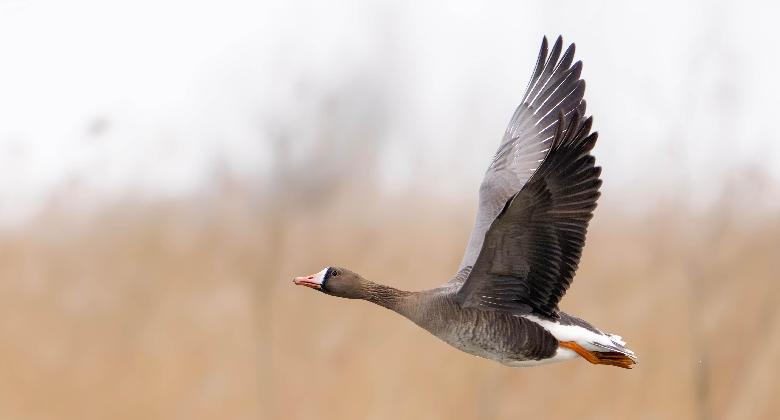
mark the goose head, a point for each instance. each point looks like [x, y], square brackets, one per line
[336, 281]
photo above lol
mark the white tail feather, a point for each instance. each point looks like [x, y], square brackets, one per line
[590, 340]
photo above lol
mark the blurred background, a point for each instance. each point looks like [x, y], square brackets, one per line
[170, 165]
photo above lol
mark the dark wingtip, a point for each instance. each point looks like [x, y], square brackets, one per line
[556, 49]
[571, 50]
[559, 40]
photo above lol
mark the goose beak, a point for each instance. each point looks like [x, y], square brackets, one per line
[314, 281]
[308, 281]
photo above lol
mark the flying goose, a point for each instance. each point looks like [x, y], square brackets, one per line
[535, 202]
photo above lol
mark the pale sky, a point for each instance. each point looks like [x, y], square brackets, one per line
[148, 95]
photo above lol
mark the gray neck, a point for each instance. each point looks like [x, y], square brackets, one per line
[387, 297]
[429, 309]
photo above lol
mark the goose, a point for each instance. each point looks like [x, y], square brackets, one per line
[535, 202]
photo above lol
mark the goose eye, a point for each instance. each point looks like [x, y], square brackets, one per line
[334, 273]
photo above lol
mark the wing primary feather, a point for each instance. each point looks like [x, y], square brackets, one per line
[537, 69]
[554, 87]
[549, 68]
[534, 245]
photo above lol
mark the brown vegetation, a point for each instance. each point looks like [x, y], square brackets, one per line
[185, 310]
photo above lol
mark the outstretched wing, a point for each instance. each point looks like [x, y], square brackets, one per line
[554, 86]
[533, 247]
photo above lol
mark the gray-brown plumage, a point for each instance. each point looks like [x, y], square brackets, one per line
[532, 249]
[535, 202]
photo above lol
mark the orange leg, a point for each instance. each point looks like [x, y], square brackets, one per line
[571, 345]
[599, 358]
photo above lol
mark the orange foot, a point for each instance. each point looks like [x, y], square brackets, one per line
[611, 358]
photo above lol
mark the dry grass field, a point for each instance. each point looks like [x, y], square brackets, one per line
[185, 310]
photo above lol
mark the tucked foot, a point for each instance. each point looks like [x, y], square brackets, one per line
[611, 358]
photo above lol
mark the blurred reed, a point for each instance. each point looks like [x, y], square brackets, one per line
[184, 309]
